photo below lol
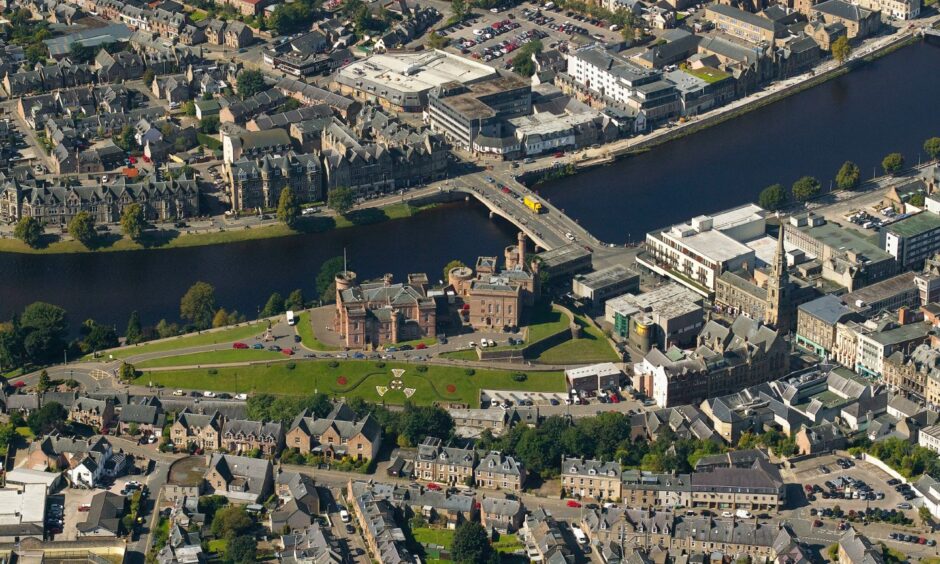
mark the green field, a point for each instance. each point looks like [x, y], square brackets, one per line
[354, 378]
[591, 347]
[226, 356]
[466, 354]
[545, 322]
[305, 330]
[440, 537]
[191, 340]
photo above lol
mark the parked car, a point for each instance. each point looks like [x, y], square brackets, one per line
[239, 346]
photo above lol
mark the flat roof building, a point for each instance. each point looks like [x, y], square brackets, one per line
[913, 240]
[599, 285]
[22, 512]
[603, 376]
[669, 315]
[565, 260]
[401, 81]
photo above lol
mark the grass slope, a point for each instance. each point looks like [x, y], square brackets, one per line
[191, 340]
[226, 356]
[305, 330]
[591, 347]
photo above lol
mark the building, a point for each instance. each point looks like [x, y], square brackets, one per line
[299, 502]
[341, 433]
[649, 490]
[858, 21]
[146, 417]
[239, 478]
[97, 414]
[593, 378]
[727, 359]
[669, 315]
[497, 471]
[103, 518]
[383, 313]
[752, 28]
[384, 537]
[817, 321]
[203, 431]
[448, 465]
[502, 515]
[909, 373]
[874, 346]
[258, 183]
[242, 436]
[820, 439]
[590, 479]
[929, 437]
[855, 548]
[565, 261]
[844, 256]
[913, 240]
[475, 116]
[238, 144]
[247, 7]
[695, 254]
[402, 81]
[897, 292]
[757, 488]
[23, 511]
[596, 287]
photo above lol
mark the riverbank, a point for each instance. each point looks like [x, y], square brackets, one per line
[174, 239]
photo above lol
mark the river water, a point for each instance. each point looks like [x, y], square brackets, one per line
[890, 105]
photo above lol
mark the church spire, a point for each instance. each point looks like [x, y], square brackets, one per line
[778, 310]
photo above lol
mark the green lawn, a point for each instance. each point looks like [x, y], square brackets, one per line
[209, 141]
[305, 330]
[197, 16]
[466, 354]
[545, 323]
[226, 356]
[218, 545]
[591, 347]
[191, 340]
[26, 433]
[440, 537]
[355, 378]
[508, 543]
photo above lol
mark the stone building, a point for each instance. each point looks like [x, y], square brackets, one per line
[591, 479]
[449, 465]
[97, 414]
[381, 313]
[341, 433]
[909, 374]
[258, 183]
[241, 436]
[57, 205]
[817, 322]
[204, 431]
[500, 472]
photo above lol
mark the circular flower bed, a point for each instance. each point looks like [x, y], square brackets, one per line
[341, 380]
[451, 388]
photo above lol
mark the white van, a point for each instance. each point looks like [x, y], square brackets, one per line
[291, 320]
[344, 516]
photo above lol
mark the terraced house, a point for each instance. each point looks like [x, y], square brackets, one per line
[591, 478]
[449, 465]
[500, 472]
[257, 183]
[97, 414]
[242, 436]
[339, 434]
[203, 431]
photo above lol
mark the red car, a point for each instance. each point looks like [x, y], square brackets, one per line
[146, 159]
[132, 159]
[19, 384]
[614, 398]
[433, 486]
[239, 346]
[573, 503]
[288, 352]
[421, 346]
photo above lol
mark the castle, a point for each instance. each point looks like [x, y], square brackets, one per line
[382, 313]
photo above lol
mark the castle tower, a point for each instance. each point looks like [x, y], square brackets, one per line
[778, 309]
[521, 239]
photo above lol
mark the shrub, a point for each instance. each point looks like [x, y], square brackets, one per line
[290, 365]
[520, 376]
[422, 369]
[469, 372]
[380, 365]
[213, 372]
[333, 364]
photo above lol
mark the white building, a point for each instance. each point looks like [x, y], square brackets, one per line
[603, 376]
[607, 73]
[929, 437]
[696, 253]
[22, 513]
[897, 9]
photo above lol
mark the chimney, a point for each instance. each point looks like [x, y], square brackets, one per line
[387, 279]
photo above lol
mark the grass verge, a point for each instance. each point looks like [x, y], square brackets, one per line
[307, 337]
[191, 340]
[353, 378]
[591, 347]
[227, 356]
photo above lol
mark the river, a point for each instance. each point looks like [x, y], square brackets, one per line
[889, 105]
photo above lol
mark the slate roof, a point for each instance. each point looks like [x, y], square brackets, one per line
[105, 513]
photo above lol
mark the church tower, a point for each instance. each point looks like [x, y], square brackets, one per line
[779, 307]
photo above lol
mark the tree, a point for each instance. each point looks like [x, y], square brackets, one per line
[288, 208]
[522, 63]
[133, 221]
[932, 147]
[892, 163]
[249, 83]
[44, 381]
[82, 228]
[198, 305]
[274, 306]
[96, 337]
[44, 328]
[133, 334]
[418, 422]
[50, 417]
[165, 329]
[841, 49]
[340, 200]
[231, 520]
[127, 372]
[326, 278]
[437, 41]
[471, 545]
[125, 139]
[452, 265]
[848, 176]
[242, 550]
[28, 230]
[148, 77]
[209, 125]
[459, 9]
[772, 197]
[295, 300]
[805, 188]
[926, 518]
[189, 108]
[220, 319]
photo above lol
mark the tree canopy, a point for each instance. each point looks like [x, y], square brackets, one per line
[892, 163]
[249, 83]
[471, 545]
[340, 200]
[522, 62]
[772, 197]
[82, 229]
[326, 278]
[269, 407]
[133, 221]
[805, 188]
[295, 300]
[43, 328]
[198, 305]
[848, 176]
[134, 333]
[274, 306]
[28, 230]
[50, 417]
[452, 265]
[288, 208]
[841, 49]
[932, 147]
